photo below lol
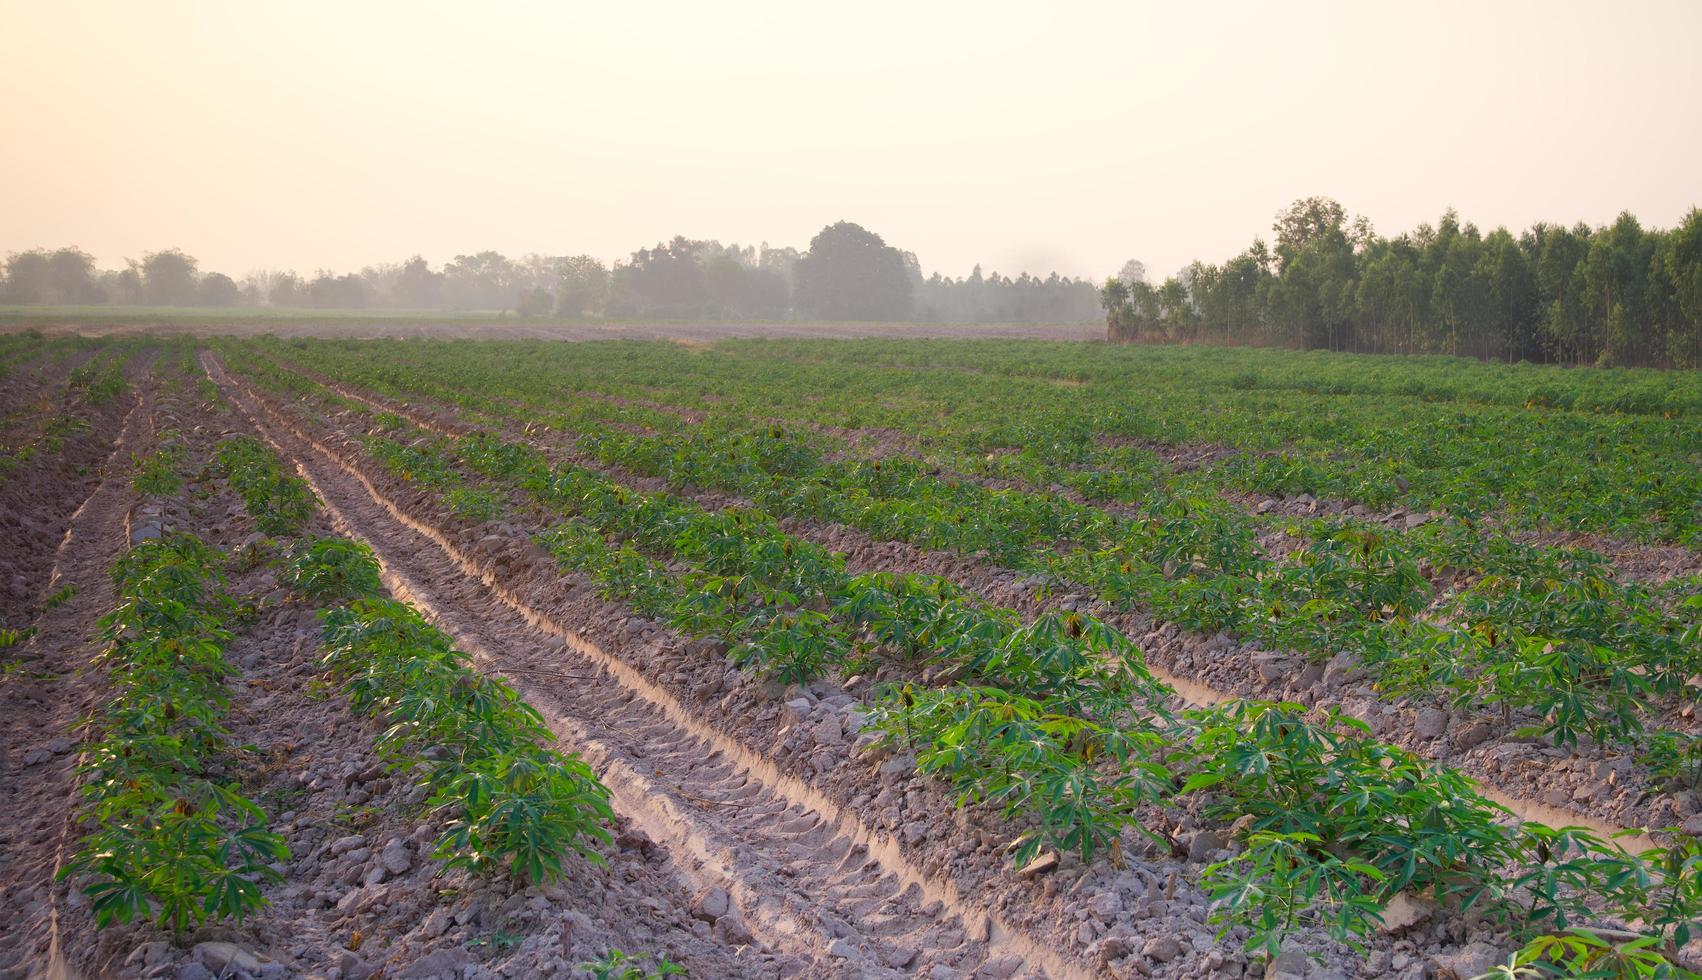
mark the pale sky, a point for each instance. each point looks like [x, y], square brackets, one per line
[1032, 136]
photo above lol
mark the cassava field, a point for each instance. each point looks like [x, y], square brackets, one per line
[843, 658]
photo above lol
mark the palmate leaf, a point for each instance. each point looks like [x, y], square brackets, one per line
[1234, 894]
[1201, 780]
[454, 846]
[251, 849]
[231, 895]
[117, 895]
[226, 798]
[1027, 849]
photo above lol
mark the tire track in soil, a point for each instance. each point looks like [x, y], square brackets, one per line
[798, 866]
[1191, 691]
[64, 645]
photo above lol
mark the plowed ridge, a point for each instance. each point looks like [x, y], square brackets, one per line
[1192, 691]
[808, 876]
[63, 645]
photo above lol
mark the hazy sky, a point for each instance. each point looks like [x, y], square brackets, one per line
[1025, 136]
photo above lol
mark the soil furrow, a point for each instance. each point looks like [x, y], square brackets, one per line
[334, 431]
[48, 691]
[668, 765]
[1514, 772]
[37, 499]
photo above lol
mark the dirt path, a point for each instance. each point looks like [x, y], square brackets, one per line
[42, 698]
[805, 875]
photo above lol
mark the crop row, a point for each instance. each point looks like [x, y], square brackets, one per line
[1546, 630]
[169, 841]
[512, 802]
[172, 842]
[1058, 722]
[516, 804]
[1631, 475]
[32, 346]
[101, 379]
[61, 413]
[278, 502]
[50, 439]
[159, 473]
[1549, 631]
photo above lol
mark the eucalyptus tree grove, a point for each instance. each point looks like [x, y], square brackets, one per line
[1620, 294]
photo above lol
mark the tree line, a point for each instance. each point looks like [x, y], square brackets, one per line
[1615, 295]
[847, 273]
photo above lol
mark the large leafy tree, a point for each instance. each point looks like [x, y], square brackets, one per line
[1317, 272]
[1616, 285]
[735, 289]
[1680, 261]
[482, 281]
[663, 281]
[168, 278]
[1556, 253]
[1392, 298]
[582, 286]
[286, 289]
[1458, 296]
[1120, 320]
[850, 273]
[1511, 310]
[26, 277]
[217, 289]
[334, 292]
[65, 275]
[71, 277]
[417, 287]
[1307, 223]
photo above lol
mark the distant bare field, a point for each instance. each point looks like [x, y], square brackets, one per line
[343, 324]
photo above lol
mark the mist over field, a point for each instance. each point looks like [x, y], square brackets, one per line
[687, 163]
[761, 490]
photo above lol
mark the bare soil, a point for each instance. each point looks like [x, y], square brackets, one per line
[50, 686]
